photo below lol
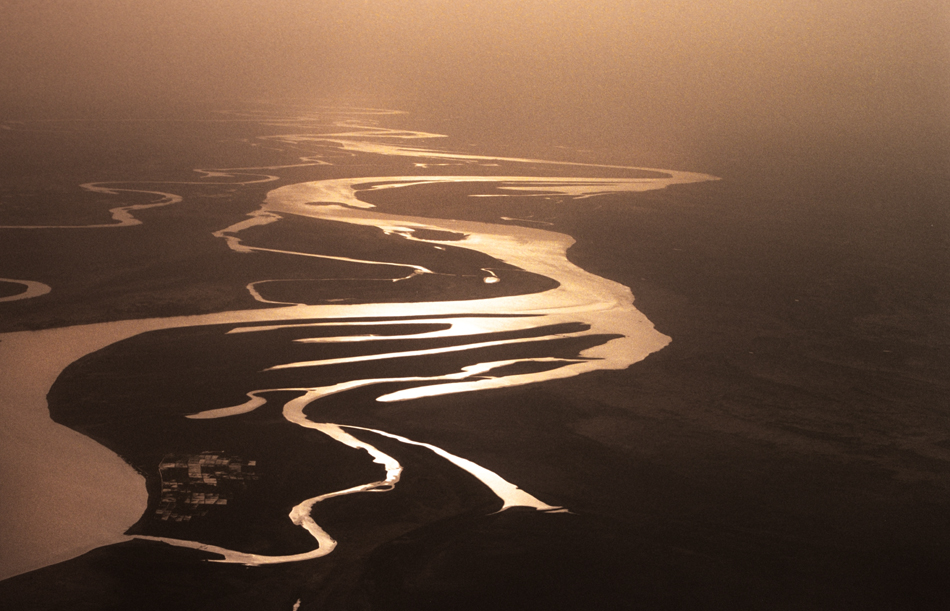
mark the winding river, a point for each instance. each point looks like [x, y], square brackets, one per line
[585, 304]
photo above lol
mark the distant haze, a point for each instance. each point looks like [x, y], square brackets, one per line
[604, 68]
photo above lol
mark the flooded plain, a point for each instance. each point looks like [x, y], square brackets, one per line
[304, 357]
[574, 322]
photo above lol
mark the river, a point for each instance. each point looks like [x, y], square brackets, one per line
[581, 305]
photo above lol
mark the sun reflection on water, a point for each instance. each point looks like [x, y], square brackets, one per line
[581, 307]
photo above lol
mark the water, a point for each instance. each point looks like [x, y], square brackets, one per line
[575, 323]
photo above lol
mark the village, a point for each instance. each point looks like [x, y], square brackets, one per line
[193, 484]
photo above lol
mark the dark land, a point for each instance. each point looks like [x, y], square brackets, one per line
[788, 450]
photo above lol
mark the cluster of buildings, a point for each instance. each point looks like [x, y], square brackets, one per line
[193, 484]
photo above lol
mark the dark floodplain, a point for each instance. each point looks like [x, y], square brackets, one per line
[788, 449]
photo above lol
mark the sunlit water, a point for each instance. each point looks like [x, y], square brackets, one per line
[594, 306]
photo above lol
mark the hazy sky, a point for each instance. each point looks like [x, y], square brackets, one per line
[836, 66]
